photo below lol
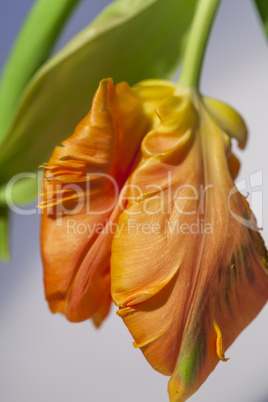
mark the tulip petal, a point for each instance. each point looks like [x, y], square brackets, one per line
[188, 266]
[228, 119]
[82, 181]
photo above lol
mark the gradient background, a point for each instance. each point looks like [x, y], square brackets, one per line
[43, 357]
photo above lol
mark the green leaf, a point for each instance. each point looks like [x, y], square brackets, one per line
[21, 189]
[30, 51]
[262, 6]
[132, 40]
[4, 234]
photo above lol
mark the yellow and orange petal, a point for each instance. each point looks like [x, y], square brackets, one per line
[82, 182]
[188, 266]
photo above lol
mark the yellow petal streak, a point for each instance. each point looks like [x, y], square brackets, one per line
[219, 347]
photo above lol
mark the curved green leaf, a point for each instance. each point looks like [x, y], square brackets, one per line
[4, 234]
[132, 40]
[31, 49]
[21, 189]
[262, 6]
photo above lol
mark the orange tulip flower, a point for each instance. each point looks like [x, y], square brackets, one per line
[188, 265]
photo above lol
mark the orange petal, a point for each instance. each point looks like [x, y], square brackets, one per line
[80, 194]
[188, 266]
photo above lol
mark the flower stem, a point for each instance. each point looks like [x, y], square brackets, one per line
[196, 43]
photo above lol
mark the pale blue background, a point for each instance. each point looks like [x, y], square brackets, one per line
[43, 358]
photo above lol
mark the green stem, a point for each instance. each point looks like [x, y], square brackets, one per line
[197, 41]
